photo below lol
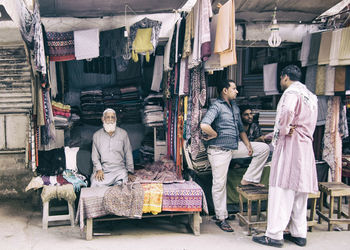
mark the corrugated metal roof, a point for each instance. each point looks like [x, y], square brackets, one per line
[93, 8]
[287, 10]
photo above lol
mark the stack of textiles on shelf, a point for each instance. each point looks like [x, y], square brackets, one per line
[266, 120]
[75, 115]
[147, 148]
[91, 103]
[61, 114]
[153, 110]
[126, 101]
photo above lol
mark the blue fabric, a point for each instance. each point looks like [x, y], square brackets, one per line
[72, 178]
[226, 121]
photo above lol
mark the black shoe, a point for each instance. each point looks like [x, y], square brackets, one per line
[297, 240]
[264, 240]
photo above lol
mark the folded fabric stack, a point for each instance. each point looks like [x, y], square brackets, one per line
[153, 114]
[125, 101]
[92, 106]
[61, 114]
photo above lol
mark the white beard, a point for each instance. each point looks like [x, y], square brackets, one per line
[109, 127]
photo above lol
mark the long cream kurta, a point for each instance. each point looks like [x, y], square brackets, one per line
[293, 162]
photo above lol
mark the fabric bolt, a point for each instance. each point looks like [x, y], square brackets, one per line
[314, 49]
[286, 207]
[86, 44]
[347, 80]
[305, 50]
[225, 42]
[187, 196]
[153, 195]
[220, 162]
[61, 46]
[320, 80]
[124, 200]
[113, 155]
[90, 204]
[157, 73]
[310, 78]
[330, 77]
[194, 58]
[213, 62]
[339, 80]
[293, 162]
[332, 151]
[204, 29]
[198, 102]
[344, 49]
[325, 48]
[322, 110]
[270, 79]
[189, 31]
[335, 47]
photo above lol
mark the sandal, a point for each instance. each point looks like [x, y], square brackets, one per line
[224, 225]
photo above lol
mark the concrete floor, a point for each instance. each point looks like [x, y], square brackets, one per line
[20, 228]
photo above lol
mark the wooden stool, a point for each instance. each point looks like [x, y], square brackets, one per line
[311, 220]
[251, 193]
[49, 193]
[334, 190]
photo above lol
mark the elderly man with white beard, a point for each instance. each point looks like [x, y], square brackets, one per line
[111, 153]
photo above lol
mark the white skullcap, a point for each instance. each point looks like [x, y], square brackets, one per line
[109, 110]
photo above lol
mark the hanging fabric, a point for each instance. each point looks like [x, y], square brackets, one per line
[86, 44]
[325, 48]
[61, 46]
[142, 44]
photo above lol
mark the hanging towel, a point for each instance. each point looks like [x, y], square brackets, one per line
[325, 48]
[61, 46]
[270, 79]
[167, 50]
[204, 29]
[310, 78]
[53, 79]
[329, 85]
[344, 50]
[305, 50]
[182, 76]
[314, 48]
[157, 73]
[339, 80]
[225, 43]
[320, 80]
[194, 58]
[86, 44]
[213, 63]
[334, 54]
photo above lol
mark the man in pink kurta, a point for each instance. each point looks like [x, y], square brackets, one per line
[293, 169]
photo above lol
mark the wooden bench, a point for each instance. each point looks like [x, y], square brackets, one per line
[260, 194]
[252, 194]
[334, 190]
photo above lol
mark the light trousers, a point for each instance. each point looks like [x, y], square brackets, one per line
[220, 162]
[286, 207]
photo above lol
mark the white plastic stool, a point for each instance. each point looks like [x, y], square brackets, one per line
[49, 193]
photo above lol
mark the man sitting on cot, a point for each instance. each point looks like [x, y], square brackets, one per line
[111, 153]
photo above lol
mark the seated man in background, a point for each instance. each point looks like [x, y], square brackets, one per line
[111, 153]
[252, 128]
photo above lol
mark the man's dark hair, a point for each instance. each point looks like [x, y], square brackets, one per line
[292, 71]
[244, 107]
[223, 84]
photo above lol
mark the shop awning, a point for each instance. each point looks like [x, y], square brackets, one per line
[99, 8]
